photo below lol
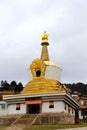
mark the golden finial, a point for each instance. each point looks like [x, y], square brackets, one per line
[44, 37]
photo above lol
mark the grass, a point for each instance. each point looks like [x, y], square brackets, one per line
[53, 127]
[47, 127]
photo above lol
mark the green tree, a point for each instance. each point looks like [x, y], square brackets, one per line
[4, 85]
[13, 85]
[19, 87]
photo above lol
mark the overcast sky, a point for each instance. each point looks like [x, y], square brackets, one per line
[22, 23]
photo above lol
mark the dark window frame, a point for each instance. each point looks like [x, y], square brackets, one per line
[18, 106]
[51, 104]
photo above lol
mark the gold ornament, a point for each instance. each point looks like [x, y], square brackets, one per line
[37, 64]
[44, 37]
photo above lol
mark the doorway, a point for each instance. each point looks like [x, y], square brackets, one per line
[33, 108]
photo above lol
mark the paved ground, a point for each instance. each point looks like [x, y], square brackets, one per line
[82, 128]
[13, 128]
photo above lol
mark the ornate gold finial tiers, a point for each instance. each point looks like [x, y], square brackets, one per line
[44, 37]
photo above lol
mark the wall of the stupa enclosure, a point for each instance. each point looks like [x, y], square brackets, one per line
[80, 114]
[12, 109]
[53, 72]
[68, 109]
[59, 106]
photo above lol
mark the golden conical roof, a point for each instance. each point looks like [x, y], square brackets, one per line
[42, 86]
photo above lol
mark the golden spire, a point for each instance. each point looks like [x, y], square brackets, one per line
[44, 53]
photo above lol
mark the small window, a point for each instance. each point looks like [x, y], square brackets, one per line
[38, 72]
[51, 104]
[18, 106]
[72, 110]
[68, 109]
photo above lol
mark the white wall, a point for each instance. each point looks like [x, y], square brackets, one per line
[53, 72]
[66, 110]
[12, 109]
[3, 111]
[58, 107]
[82, 102]
[80, 116]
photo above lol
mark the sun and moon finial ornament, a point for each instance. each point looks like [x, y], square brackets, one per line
[44, 37]
[38, 68]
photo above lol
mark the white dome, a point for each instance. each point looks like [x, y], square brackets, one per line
[50, 63]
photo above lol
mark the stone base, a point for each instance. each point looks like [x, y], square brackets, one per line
[54, 118]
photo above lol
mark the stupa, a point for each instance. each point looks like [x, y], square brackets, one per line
[44, 75]
[44, 93]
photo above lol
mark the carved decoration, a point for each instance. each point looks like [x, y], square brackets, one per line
[37, 64]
